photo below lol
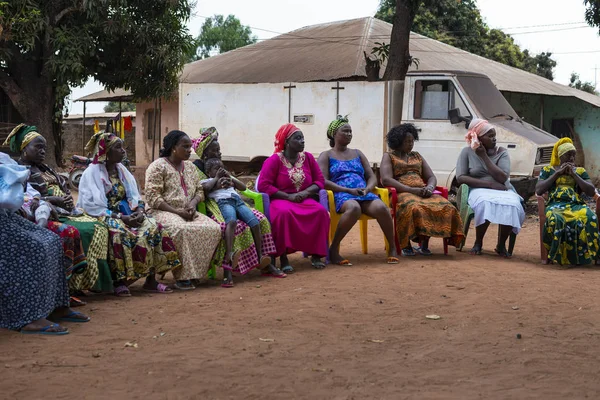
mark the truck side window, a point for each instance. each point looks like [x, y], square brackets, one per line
[433, 100]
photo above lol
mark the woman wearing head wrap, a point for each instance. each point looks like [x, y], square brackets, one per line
[290, 177]
[139, 246]
[26, 141]
[485, 168]
[245, 238]
[173, 191]
[348, 174]
[571, 228]
[54, 190]
[33, 283]
[420, 212]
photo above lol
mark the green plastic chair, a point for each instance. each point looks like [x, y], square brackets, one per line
[259, 205]
[467, 214]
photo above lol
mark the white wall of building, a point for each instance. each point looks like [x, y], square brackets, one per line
[247, 116]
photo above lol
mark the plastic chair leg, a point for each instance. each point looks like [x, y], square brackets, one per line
[363, 236]
[445, 246]
[466, 225]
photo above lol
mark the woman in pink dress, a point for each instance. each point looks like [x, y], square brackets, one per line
[291, 178]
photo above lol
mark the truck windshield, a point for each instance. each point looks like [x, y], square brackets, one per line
[486, 97]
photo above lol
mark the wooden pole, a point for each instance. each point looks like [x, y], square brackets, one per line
[83, 131]
[154, 128]
[159, 122]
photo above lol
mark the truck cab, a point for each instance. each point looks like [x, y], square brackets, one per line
[441, 105]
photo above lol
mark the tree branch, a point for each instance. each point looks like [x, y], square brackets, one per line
[63, 13]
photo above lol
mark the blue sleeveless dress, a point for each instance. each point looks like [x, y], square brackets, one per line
[349, 174]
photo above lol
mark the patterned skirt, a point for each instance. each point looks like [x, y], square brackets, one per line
[431, 217]
[72, 248]
[32, 272]
[135, 253]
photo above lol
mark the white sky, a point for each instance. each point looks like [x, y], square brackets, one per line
[285, 15]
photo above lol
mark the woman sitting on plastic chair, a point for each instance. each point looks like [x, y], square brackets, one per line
[420, 213]
[485, 168]
[571, 228]
[348, 174]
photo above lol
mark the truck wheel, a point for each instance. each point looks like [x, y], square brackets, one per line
[74, 179]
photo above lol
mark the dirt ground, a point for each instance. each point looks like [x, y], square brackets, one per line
[342, 333]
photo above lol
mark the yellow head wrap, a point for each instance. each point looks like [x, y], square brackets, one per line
[561, 147]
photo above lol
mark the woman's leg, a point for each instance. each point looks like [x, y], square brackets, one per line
[351, 212]
[479, 234]
[378, 210]
[505, 231]
[229, 236]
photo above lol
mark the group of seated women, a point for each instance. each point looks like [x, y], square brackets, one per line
[111, 238]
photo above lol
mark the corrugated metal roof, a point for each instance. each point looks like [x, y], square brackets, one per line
[105, 95]
[334, 51]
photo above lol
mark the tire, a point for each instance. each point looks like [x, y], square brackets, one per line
[74, 179]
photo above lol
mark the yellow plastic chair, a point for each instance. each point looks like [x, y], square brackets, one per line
[383, 194]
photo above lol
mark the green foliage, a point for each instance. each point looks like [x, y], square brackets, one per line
[459, 23]
[113, 106]
[576, 83]
[219, 34]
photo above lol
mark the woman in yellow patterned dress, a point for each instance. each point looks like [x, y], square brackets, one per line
[420, 213]
[173, 191]
[139, 247]
[571, 228]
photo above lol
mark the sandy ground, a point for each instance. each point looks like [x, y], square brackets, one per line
[342, 333]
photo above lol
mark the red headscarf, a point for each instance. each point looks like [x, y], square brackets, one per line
[284, 134]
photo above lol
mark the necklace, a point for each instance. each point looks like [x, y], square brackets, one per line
[295, 171]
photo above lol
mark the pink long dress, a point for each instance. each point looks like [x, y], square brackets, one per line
[296, 226]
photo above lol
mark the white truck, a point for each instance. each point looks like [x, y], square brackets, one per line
[439, 103]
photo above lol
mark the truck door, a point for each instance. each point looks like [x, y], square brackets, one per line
[440, 142]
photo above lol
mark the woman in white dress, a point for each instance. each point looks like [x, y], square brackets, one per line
[485, 168]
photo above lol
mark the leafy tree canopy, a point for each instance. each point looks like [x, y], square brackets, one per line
[576, 83]
[113, 106]
[459, 23]
[220, 34]
[46, 46]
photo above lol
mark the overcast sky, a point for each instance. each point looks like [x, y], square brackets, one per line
[576, 47]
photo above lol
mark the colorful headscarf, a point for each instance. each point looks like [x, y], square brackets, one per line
[207, 136]
[561, 147]
[99, 145]
[335, 125]
[477, 128]
[283, 134]
[20, 137]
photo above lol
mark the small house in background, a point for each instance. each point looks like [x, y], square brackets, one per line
[335, 52]
[77, 132]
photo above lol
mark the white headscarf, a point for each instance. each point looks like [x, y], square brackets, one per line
[95, 184]
[477, 128]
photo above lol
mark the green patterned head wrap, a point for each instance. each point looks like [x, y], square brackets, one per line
[20, 137]
[335, 125]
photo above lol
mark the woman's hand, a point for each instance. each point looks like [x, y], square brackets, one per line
[480, 151]
[187, 215]
[357, 191]
[427, 192]
[498, 186]
[298, 197]
[68, 202]
[130, 221]
[139, 216]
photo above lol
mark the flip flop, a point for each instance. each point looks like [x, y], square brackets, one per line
[408, 253]
[503, 253]
[227, 283]
[184, 285]
[235, 258]
[345, 263]
[122, 291]
[69, 318]
[265, 261]
[475, 251]
[319, 264]
[161, 289]
[393, 260]
[76, 302]
[44, 331]
[422, 252]
[288, 269]
[272, 275]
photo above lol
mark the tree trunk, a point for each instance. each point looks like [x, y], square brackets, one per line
[399, 59]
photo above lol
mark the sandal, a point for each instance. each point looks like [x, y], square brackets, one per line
[318, 264]
[45, 331]
[227, 283]
[184, 285]
[288, 269]
[265, 261]
[71, 317]
[503, 253]
[76, 302]
[423, 252]
[344, 262]
[393, 260]
[408, 252]
[273, 272]
[122, 291]
[475, 251]
[161, 289]
[234, 259]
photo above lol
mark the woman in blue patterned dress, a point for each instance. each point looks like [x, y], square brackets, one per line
[33, 283]
[349, 175]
